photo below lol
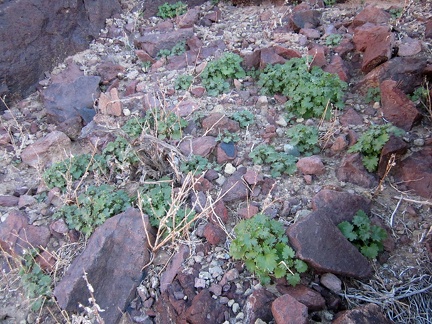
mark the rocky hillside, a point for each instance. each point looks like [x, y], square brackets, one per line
[226, 163]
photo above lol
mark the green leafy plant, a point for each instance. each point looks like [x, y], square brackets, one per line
[227, 137]
[310, 90]
[171, 10]
[165, 124]
[218, 74]
[329, 3]
[373, 95]
[244, 118]
[396, 12]
[156, 200]
[263, 246]
[419, 94]
[333, 39]
[163, 53]
[183, 82]
[134, 127]
[366, 237]
[371, 143]
[177, 49]
[195, 164]
[93, 207]
[37, 284]
[280, 163]
[304, 138]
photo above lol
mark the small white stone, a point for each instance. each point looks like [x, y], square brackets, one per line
[126, 112]
[235, 308]
[229, 168]
[281, 121]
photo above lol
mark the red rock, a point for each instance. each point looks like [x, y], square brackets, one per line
[16, 234]
[248, 212]
[351, 117]
[8, 201]
[198, 91]
[366, 314]
[185, 108]
[346, 46]
[286, 53]
[269, 56]
[144, 56]
[371, 14]
[110, 104]
[199, 146]
[321, 244]
[330, 281]
[46, 150]
[222, 155]
[305, 18]
[310, 33]
[189, 19]
[204, 307]
[152, 43]
[215, 15]
[214, 234]
[407, 71]
[71, 127]
[396, 146]
[339, 206]
[287, 310]
[219, 212]
[376, 42]
[217, 123]
[428, 28]
[338, 66]
[252, 177]
[397, 107]
[46, 261]
[121, 240]
[109, 71]
[234, 187]
[311, 165]
[339, 145]
[59, 227]
[318, 54]
[252, 60]
[26, 200]
[308, 297]
[352, 170]
[416, 166]
[258, 306]
[173, 267]
[409, 47]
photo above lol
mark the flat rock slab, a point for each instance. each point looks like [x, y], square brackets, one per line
[113, 260]
[322, 245]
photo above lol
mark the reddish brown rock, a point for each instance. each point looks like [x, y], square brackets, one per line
[415, 167]
[16, 234]
[351, 117]
[144, 56]
[252, 177]
[302, 17]
[204, 307]
[226, 152]
[234, 187]
[287, 310]
[248, 212]
[376, 42]
[310, 33]
[109, 103]
[185, 108]
[308, 297]
[346, 46]
[121, 240]
[311, 165]
[199, 146]
[252, 60]
[286, 53]
[338, 66]
[366, 314]
[214, 234]
[395, 145]
[46, 261]
[269, 56]
[409, 47]
[331, 282]
[428, 28]
[109, 71]
[217, 123]
[49, 149]
[397, 107]
[352, 170]
[198, 91]
[339, 144]
[406, 71]
[371, 14]
[8, 201]
[189, 19]
[258, 306]
[339, 206]
[173, 267]
[219, 212]
[318, 54]
[321, 244]
[152, 43]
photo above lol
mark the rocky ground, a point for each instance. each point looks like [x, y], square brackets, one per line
[83, 103]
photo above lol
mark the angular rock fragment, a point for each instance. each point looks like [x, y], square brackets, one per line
[287, 310]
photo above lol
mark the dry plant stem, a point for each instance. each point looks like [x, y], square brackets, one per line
[394, 212]
[422, 202]
[390, 164]
[94, 309]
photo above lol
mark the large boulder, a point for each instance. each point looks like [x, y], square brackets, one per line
[36, 35]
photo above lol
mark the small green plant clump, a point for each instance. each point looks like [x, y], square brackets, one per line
[218, 74]
[373, 95]
[304, 138]
[366, 237]
[419, 94]
[196, 164]
[333, 39]
[177, 49]
[36, 283]
[371, 143]
[310, 90]
[93, 207]
[227, 137]
[156, 201]
[183, 82]
[172, 10]
[262, 244]
[280, 163]
[244, 117]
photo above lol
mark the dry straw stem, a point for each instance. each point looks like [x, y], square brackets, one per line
[408, 302]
